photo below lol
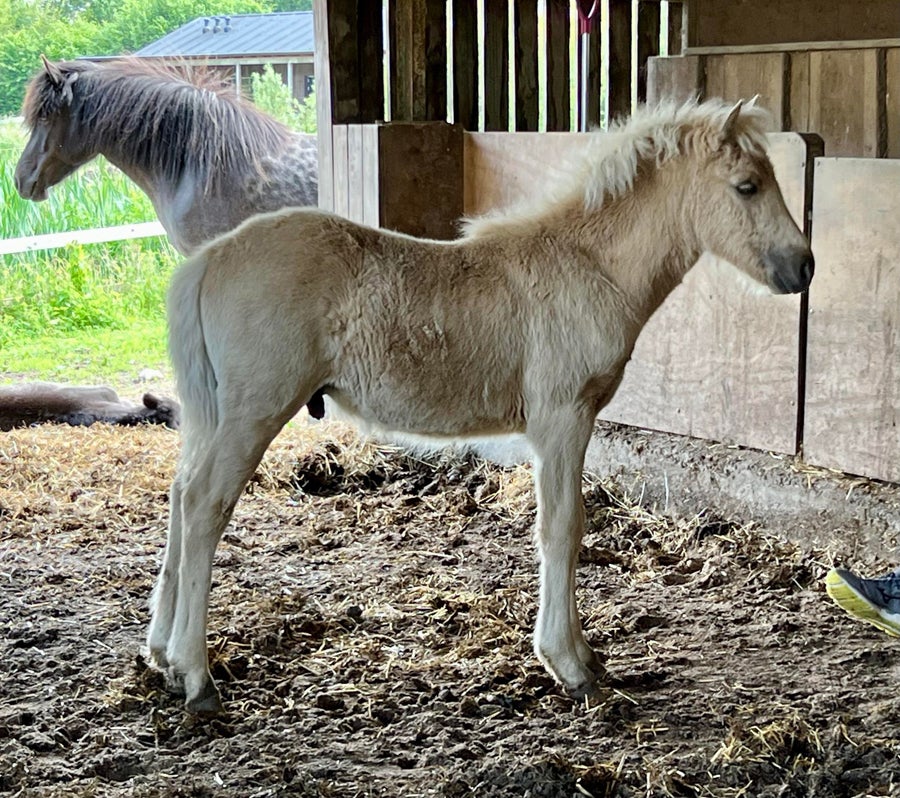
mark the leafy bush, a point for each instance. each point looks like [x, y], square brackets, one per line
[272, 96]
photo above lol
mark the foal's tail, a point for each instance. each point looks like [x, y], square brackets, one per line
[194, 372]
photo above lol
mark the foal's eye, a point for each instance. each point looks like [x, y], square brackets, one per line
[746, 189]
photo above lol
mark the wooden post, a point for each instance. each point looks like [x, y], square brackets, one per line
[675, 34]
[619, 83]
[418, 160]
[527, 106]
[648, 24]
[496, 65]
[436, 60]
[558, 78]
[323, 103]
[465, 64]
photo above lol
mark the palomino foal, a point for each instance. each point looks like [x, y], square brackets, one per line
[531, 316]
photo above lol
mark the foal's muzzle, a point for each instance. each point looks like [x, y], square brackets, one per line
[790, 271]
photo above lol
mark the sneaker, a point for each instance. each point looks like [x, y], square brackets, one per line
[876, 601]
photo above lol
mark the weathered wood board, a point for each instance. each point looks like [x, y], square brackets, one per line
[740, 77]
[853, 383]
[714, 23]
[718, 360]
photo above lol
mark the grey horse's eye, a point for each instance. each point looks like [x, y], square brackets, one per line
[746, 189]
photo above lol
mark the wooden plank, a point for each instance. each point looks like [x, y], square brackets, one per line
[846, 101]
[355, 173]
[675, 33]
[419, 160]
[853, 385]
[559, 111]
[594, 47]
[436, 60]
[323, 104]
[619, 82]
[648, 27]
[401, 26]
[465, 64]
[340, 168]
[370, 62]
[496, 65]
[343, 57]
[97, 235]
[717, 360]
[370, 185]
[798, 102]
[526, 64]
[740, 77]
[892, 107]
[678, 78]
[749, 22]
[794, 47]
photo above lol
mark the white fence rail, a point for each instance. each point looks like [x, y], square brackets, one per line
[100, 235]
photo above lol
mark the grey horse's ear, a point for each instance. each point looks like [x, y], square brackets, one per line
[67, 93]
[53, 72]
[731, 121]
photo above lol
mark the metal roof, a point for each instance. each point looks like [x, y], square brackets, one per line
[278, 34]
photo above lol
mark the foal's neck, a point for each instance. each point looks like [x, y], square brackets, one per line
[644, 240]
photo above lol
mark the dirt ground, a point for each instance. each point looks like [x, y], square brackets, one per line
[370, 631]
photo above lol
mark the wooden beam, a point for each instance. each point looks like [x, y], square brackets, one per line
[559, 109]
[465, 64]
[496, 65]
[648, 28]
[323, 103]
[619, 83]
[675, 33]
[436, 60]
[526, 64]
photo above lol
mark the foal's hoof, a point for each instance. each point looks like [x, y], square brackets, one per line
[207, 703]
[592, 693]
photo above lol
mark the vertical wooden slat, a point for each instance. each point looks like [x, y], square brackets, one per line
[558, 79]
[465, 64]
[435, 60]
[892, 105]
[323, 103]
[496, 65]
[343, 50]
[648, 23]
[675, 34]
[594, 44]
[370, 190]
[355, 173]
[400, 27]
[370, 62]
[526, 44]
[341, 170]
[619, 84]
[798, 97]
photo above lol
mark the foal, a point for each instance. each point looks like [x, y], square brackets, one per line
[531, 317]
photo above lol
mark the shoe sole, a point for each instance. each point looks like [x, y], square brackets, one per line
[857, 605]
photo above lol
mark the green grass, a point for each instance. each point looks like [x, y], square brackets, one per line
[93, 313]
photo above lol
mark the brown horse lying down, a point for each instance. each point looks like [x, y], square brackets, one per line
[80, 406]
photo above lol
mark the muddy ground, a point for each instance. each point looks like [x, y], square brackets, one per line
[370, 631]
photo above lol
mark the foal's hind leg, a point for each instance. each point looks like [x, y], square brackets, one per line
[162, 602]
[210, 490]
[560, 439]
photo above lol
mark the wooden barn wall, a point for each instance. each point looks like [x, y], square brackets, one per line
[850, 97]
[853, 383]
[720, 359]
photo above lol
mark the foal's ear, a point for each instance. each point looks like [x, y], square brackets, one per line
[53, 72]
[67, 93]
[727, 133]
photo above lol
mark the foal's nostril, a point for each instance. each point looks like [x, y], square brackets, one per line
[807, 269]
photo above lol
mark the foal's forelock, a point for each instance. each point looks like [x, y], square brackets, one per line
[162, 119]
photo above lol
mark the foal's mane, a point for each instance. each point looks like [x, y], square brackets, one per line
[159, 117]
[611, 161]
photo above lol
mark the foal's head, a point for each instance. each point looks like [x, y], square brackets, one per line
[739, 212]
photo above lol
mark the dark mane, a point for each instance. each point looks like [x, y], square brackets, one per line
[167, 117]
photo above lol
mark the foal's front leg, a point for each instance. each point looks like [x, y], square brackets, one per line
[560, 440]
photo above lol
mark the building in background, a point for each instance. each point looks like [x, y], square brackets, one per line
[241, 45]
